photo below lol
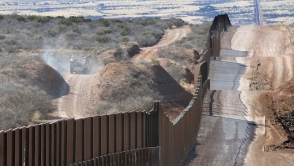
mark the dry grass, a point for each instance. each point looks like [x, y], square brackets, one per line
[134, 94]
[182, 50]
[20, 105]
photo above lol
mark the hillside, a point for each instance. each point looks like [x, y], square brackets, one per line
[35, 53]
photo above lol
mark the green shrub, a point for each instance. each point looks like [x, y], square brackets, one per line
[39, 19]
[104, 31]
[51, 33]
[1, 16]
[61, 29]
[75, 29]
[7, 31]
[103, 39]
[65, 22]
[2, 37]
[10, 42]
[125, 31]
[76, 19]
[92, 26]
[37, 37]
[104, 22]
[18, 17]
[293, 43]
[124, 39]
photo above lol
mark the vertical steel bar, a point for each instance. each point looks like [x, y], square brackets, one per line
[63, 143]
[104, 135]
[126, 132]
[37, 145]
[133, 130]
[58, 143]
[88, 138]
[70, 135]
[3, 146]
[31, 145]
[17, 151]
[43, 144]
[139, 130]
[111, 133]
[10, 147]
[25, 145]
[50, 136]
[79, 141]
[118, 133]
[96, 136]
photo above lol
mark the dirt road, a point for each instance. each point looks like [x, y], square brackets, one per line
[233, 128]
[170, 36]
[79, 102]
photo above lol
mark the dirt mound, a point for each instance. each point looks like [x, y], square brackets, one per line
[281, 114]
[175, 98]
[133, 50]
[51, 81]
[113, 80]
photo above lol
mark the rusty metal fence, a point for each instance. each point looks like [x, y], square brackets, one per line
[69, 141]
[132, 138]
[220, 23]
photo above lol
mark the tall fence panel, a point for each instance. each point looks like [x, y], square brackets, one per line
[69, 141]
[176, 139]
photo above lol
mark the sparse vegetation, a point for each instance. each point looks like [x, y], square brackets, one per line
[19, 105]
[136, 94]
[179, 53]
[109, 33]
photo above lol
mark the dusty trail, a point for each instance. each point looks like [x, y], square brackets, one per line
[269, 47]
[79, 102]
[170, 36]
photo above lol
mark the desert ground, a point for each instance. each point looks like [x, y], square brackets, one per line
[243, 113]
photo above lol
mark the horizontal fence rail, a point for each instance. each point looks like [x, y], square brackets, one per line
[136, 157]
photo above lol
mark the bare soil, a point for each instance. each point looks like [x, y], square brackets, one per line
[269, 64]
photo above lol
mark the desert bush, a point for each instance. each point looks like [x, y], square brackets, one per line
[125, 31]
[103, 38]
[7, 31]
[2, 37]
[122, 39]
[292, 43]
[39, 19]
[103, 31]
[75, 29]
[10, 42]
[18, 17]
[19, 103]
[104, 22]
[51, 33]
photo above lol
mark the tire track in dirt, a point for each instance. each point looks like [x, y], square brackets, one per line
[267, 46]
[171, 35]
[78, 103]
